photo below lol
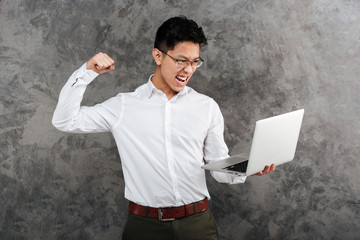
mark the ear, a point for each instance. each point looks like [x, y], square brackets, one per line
[157, 55]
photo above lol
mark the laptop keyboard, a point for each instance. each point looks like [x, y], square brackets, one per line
[238, 167]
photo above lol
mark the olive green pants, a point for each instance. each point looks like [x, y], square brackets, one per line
[200, 226]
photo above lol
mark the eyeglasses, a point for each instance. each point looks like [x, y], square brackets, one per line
[184, 63]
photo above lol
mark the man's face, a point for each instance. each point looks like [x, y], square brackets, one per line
[173, 77]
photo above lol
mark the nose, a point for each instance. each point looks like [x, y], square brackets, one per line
[189, 68]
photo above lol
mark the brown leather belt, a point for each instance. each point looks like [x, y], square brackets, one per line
[171, 213]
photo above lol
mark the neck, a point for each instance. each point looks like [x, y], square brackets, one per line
[160, 84]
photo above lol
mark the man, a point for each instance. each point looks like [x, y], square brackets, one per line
[164, 131]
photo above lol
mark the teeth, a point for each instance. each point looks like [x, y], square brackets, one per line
[183, 79]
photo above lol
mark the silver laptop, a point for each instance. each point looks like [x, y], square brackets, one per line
[274, 141]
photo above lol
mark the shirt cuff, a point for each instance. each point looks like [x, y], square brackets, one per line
[86, 75]
[238, 179]
[228, 178]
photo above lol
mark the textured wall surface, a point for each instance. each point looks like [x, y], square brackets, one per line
[263, 58]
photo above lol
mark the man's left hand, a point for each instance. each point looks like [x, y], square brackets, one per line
[267, 169]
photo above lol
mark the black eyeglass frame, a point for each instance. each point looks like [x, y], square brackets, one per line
[199, 62]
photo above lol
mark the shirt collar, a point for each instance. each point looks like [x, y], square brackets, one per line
[151, 88]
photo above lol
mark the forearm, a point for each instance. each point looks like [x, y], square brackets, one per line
[68, 107]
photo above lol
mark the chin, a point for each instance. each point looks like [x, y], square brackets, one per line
[178, 89]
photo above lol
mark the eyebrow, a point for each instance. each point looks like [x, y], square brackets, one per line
[181, 56]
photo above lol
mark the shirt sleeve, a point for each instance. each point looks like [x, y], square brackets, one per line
[215, 147]
[69, 116]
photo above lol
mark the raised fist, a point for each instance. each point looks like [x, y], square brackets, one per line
[100, 63]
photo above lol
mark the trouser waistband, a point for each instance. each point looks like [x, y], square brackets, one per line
[169, 213]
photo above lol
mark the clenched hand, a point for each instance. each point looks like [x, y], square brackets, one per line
[100, 63]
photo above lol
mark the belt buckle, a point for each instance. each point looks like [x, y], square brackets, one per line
[160, 216]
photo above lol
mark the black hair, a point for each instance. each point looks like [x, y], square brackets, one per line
[178, 29]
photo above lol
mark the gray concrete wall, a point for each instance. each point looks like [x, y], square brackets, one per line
[263, 58]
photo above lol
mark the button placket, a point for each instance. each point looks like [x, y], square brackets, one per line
[169, 150]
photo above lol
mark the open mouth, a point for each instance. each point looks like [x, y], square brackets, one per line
[181, 79]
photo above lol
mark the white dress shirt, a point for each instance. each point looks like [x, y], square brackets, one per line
[162, 143]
